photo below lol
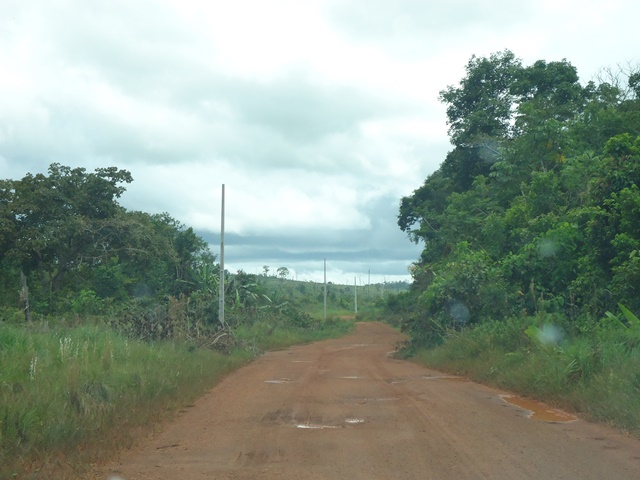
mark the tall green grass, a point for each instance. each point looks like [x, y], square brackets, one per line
[594, 372]
[66, 395]
[70, 396]
[260, 336]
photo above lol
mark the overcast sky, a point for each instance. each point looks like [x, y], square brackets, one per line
[317, 115]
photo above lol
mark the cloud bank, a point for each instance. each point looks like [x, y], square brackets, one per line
[318, 116]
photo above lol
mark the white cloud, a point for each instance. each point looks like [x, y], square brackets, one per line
[317, 115]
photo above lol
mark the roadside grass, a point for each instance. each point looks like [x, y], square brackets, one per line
[261, 336]
[368, 310]
[70, 397]
[333, 311]
[595, 374]
[374, 313]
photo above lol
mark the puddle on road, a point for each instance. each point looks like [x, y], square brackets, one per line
[364, 401]
[538, 410]
[308, 426]
[279, 380]
[318, 426]
[451, 378]
[352, 377]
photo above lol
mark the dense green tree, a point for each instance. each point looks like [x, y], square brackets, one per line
[283, 272]
[63, 219]
[536, 208]
[480, 115]
[67, 233]
[482, 105]
[634, 84]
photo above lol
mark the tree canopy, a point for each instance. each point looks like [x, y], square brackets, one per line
[537, 205]
[66, 233]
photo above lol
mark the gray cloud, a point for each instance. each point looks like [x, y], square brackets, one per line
[416, 25]
[378, 248]
[296, 109]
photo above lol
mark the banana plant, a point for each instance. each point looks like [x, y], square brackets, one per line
[633, 322]
[209, 277]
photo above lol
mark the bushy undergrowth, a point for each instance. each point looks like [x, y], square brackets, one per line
[594, 372]
[69, 395]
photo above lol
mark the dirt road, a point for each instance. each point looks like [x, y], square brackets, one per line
[343, 409]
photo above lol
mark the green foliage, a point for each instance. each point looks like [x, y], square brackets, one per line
[67, 233]
[632, 321]
[92, 384]
[558, 242]
[594, 373]
[481, 105]
[532, 224]
[64, 388]
[621, 147]
[57, 221]
[96, 301]
[536, 208]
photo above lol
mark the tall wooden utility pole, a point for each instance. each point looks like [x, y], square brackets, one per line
[221, 295]
[355, 292]
[325, 290]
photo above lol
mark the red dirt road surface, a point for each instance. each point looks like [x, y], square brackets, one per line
[345, 409]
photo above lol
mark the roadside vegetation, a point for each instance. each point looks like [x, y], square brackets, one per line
[530, 274]
[73, 395]
[76, 388]
[109, 320]
[529, 278]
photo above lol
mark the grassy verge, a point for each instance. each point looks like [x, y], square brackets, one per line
[333, 311]
[268, 336]
[594, 373]
[73, 396]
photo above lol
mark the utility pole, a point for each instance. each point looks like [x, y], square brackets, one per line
[221, 295]
[325, 290]
[355, 293]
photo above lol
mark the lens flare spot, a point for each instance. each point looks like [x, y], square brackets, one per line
[548, 248]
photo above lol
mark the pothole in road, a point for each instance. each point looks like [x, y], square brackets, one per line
[538, 410]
